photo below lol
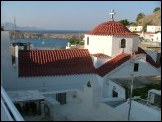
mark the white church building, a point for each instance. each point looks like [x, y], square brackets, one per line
[79, 79]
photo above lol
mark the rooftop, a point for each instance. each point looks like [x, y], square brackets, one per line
[54, 62]
[112, 28]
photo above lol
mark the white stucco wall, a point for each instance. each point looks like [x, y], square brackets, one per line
[125, 70]
[99, 44]
[153, 28]
[131, 43]
[110, 45]
[107, 89]
[97, 62]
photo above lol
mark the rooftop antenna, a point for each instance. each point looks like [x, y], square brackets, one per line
[112, 13]
[14, 36]
[133, 56]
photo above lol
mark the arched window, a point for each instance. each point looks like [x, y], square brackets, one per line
[123, 41]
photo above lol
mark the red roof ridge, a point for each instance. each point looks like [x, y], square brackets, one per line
[54, 62]
[112, 28]
[148, 58]
[112, 64]
[100, 55]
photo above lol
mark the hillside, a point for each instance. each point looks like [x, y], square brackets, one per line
[152, 19]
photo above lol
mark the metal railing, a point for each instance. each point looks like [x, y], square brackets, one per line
[8, 110]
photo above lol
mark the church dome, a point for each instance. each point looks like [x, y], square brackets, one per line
[112, 28]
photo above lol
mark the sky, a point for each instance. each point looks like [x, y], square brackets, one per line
[72, 15]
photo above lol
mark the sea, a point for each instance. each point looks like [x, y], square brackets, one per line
[48, 43]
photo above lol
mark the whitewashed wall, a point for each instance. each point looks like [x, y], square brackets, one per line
[110, 45]
[97, 62]
[124, 70]
[107, 90]
[99, 44]
[131, 43]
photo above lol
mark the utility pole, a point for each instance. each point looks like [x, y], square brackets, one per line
[131, 90]
[14, 28]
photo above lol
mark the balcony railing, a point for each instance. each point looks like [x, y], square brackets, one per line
[8, 110]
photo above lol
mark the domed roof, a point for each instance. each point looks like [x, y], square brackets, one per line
[112, 28]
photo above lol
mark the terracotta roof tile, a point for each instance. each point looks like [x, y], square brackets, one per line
[112, 28]
[120, 59]
[112, 64]
[100, 55]
[148, 58]
[54, 62]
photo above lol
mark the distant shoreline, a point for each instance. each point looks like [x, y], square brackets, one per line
[60, 34]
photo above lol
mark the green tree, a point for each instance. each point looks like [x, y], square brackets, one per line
[125, 22]
[156, 9]
[140, 16]
[133, 23]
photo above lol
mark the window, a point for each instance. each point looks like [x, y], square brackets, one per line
[87, 40]
[115, 94]
[61, 97]
[123, 41]
[136, 65]
[88, 84]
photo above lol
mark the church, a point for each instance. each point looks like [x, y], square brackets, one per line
[80, 76]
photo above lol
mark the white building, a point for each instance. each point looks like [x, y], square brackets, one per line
[157, 37]
[135, 28]
[79, 79]
[152, 28]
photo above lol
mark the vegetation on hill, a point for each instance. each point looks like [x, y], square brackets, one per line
[156, 9]
[152, 19]
[124, 22]
[140, 16]
[76, 41]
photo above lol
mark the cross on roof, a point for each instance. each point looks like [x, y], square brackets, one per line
[112, 13]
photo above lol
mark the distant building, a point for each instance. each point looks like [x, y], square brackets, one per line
[153, 28]
[136, 29]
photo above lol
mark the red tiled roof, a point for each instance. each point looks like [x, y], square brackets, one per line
[120, 59]
[112, 64]
[112, 28]
[54, 62]
[148, 58]
[100, 55]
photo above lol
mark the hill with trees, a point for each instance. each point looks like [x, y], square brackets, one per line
[152, 19]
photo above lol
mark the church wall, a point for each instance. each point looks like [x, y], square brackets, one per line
[44, 84]
[99, 44]
[130, 43]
